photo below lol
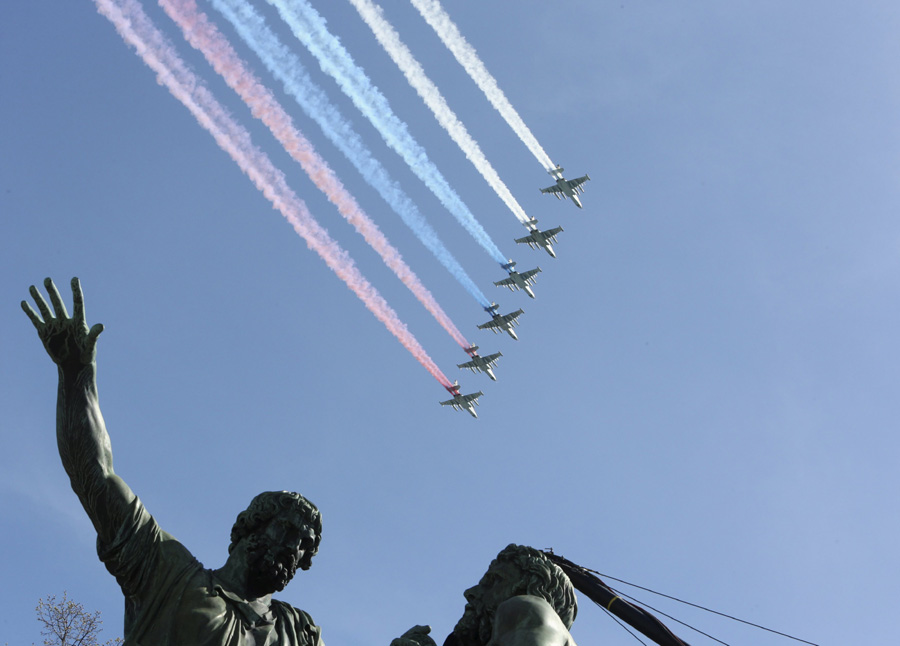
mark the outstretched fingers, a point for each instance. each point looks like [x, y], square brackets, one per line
[35, 319]
[68, 341]
[58, 306]
[41, 303]
[78, 302]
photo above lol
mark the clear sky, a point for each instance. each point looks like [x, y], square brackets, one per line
[704, 396]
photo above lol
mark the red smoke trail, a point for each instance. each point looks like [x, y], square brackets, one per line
[137, 30]
[205, 37]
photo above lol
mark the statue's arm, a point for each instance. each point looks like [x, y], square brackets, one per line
[86, 452]
[81, 435]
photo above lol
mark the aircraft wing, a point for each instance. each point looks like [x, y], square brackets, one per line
[450, 402]
[491, 359]
[575, 183]
[528, 274]
[512, 316]
[552, 232]
[555, 188]
[471, 398]
[529, 239]
[506, 282]
[471, 365]
[490, 325]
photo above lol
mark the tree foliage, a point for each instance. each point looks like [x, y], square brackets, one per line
[67, 623]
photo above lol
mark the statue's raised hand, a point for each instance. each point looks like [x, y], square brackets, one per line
[67, 340]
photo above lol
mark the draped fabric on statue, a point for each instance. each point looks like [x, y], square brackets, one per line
[172, 600]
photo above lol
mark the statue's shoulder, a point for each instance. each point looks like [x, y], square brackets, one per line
[138, 549]
[285, 608]
[528, 620]
[527, 608]
[306, 632]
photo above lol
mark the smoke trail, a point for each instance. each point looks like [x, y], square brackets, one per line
[412, 70]
[309, 28]
[288, 69]
[204, 36]
[137, 30]
[435, 15]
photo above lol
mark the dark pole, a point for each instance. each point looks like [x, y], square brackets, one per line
[591, 586]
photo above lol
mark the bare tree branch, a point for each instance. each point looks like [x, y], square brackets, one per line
[67, 623]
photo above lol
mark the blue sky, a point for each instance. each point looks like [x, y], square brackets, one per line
[703, 399]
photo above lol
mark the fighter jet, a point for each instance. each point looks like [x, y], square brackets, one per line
[462, 402]
[566, 187]
[479, 363]
[501, 322]
[537, 238]
[518, 281]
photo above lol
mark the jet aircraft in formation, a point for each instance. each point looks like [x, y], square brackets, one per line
[566, 187]
[517, 281]
[479, 363]
[537, 238]
[462, 402]
[501, 322]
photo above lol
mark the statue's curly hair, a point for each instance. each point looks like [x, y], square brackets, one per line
[543, 579]
[272, 504]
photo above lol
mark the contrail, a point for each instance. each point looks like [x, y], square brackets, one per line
[158, 53]
[435, 16]
[287, 68]
[206, 38]
[310, 29]
[412, 70]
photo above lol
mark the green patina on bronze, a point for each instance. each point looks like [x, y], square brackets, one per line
[522, 600]
[170, 598]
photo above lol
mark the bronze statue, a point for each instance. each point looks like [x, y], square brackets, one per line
[170, 598]
[522, 600]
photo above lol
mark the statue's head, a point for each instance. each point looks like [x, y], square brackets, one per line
[280, 532]
[517, 570]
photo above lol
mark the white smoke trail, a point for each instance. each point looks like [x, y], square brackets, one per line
[447, 31]
[285, 66]
[309, 27]
[204, 36]
[157, 52]
[373, 16]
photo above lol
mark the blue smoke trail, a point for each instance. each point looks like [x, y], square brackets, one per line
[310, 29]
[288, 69]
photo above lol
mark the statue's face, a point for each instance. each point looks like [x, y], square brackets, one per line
[275, 553]
[499, 583]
